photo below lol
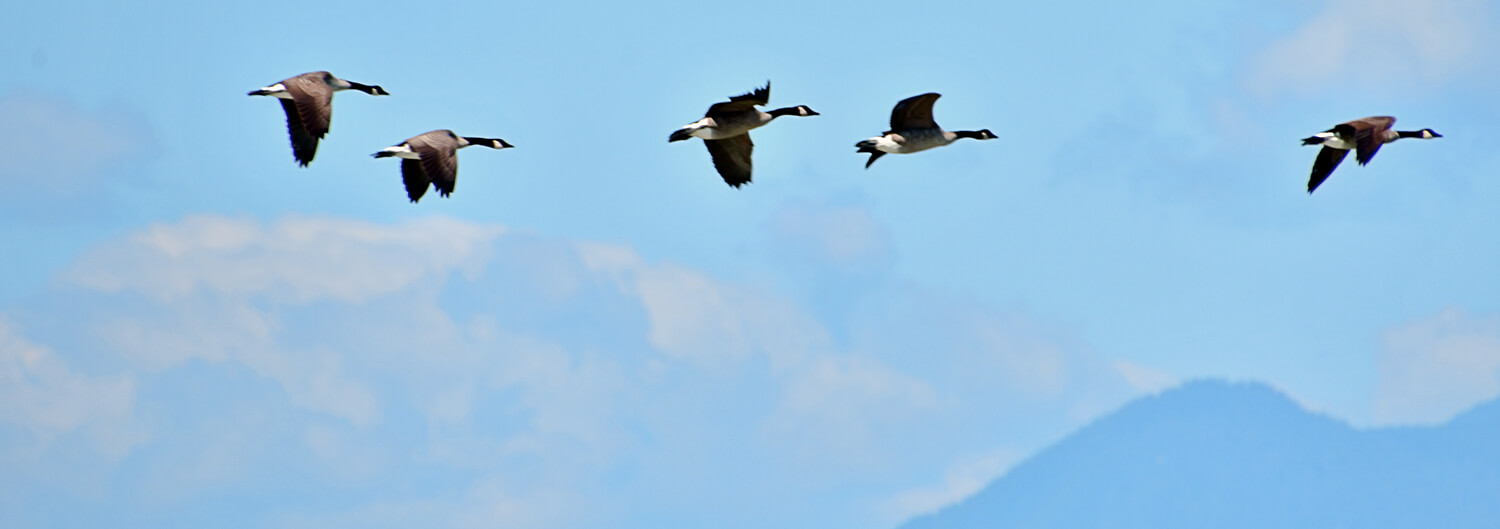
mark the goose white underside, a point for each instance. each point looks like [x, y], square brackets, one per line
[277, 91]
[889, 144]
[1332, 140]
[402, 151]
[711, 134]
[708, 129]
[886, 144]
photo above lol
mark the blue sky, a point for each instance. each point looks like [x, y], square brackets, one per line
[595, 330]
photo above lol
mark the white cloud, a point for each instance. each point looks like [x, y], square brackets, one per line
[838, 409]
[315, 380]
[296, 259]
[693, 316]
[517, 397]
[448, 348]
[1144, 379]
[221, 330]
[962, 479]
[1022, 360]
[234, 331]
[1434, 368]
[1354, 43]
[42, 395]
[211, 275]
[346, 453]
[490, 502]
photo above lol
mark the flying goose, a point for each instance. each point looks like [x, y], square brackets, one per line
[308, 102]
[725, 127]
[1365, 136]
[913, 130]
[431, 158]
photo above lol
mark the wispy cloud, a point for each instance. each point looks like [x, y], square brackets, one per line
[212, 275]
[962, 479]
[694, 316]
[1370, 43]
[847, 404]
[491, 501]
[445, 348]
[46, 398]
[297, 259]
[1435, 367]
[1144, 379]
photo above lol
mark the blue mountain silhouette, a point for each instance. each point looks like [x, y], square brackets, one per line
[1240, 455]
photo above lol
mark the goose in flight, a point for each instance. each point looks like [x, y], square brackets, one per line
[1363, 136]
[431, 158]
[913, 130]
[308, 102]
[725, 130]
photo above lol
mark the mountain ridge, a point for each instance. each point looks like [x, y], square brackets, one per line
[1238, 454]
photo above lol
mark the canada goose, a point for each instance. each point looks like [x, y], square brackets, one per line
[1365, 136]
[725, 127]
[913, 130]
[432, 158]
[308, 102]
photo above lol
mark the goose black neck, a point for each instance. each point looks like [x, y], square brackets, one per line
[788, 111]
[494, 143]
[972, 134]
[374, 90]
[1408, 133]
